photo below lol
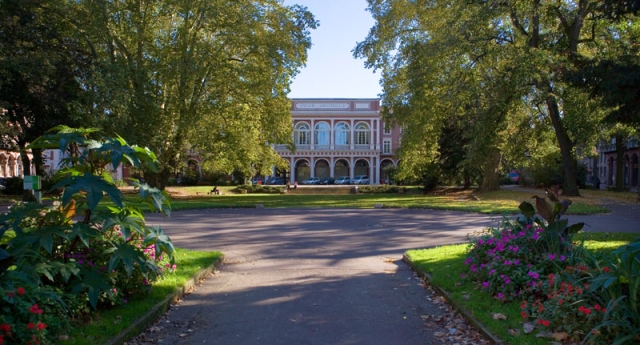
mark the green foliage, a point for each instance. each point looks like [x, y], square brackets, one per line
[30, 312]
[217, 85]
[562, 287]
[98, 255]
[14, 186]
[261, 189]
[43, 66]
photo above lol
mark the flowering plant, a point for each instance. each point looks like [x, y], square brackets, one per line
[78, 253]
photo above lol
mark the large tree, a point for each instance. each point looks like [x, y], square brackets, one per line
[527, 44]
[42, 65]
[211, 76]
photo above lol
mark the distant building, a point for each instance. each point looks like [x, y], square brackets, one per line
[605, 166]
[339, 137]
[11, 164]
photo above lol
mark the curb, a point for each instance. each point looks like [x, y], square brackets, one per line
[141, 323]
[472, 320]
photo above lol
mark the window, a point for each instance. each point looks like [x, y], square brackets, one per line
[362, 134]
[322, 134]
[342, 134]
[301, 134]
[387, 130]
[386, 147]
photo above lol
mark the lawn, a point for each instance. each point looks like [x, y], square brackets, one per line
[445, 268]
[505, 201]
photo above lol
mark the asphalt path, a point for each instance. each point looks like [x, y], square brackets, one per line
[318, 276]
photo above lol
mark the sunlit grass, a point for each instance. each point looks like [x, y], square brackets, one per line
[501, 202]
[445, 266]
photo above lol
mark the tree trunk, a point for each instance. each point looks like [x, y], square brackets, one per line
[490, 176]
[38, 162]
[620, 149]
[27, 195]
[570, 186]
[157, 179]
[26, 162]
[467, 180]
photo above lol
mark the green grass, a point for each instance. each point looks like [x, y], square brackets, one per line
[445, 266]
[501, 202]
[106, 324]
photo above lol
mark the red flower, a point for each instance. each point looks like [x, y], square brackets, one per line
[5, 328]
[35, 309]
[1, 339]
[40, 326]
[524, 315]
[21, 291]
[606, 269]
[31, 325]
[9, 294]
[585, 310]
[545, 323]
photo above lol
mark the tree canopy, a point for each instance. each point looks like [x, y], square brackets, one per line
[42, 65]
[480, 60]
[211, 76]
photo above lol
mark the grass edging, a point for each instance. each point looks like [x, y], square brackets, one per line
[475, 322]
[161, 307]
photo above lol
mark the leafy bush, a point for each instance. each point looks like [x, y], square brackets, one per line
[14, 186]
[562, 288]
[77, 256]
[378, 189]
[261, 189]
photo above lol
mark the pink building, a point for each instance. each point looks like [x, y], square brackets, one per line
[340, 137]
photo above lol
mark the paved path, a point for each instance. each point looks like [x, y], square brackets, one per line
[316, 276]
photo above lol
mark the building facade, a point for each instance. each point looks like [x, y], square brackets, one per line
[605, 165]
[11, 164]
[340, 137]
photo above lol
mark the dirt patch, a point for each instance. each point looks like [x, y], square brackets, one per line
[453, 192]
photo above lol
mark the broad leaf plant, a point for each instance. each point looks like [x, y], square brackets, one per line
[95, 243]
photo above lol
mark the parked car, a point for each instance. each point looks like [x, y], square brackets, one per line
[311, 180]
[360, 179]
[328, 180]
[276, 181]
[342, 180]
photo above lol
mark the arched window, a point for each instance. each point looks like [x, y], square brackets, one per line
[301, 134]
[342, 134]
[362, 134]
[322, 134]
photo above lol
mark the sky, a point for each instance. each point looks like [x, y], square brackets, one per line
[331, 70]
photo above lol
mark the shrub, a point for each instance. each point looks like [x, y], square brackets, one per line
[591, 298]
[79, 256]
[14, 186]
[261, 189]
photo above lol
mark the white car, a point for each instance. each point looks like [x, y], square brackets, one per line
[312, 180]
[360, 179]
[342, 180]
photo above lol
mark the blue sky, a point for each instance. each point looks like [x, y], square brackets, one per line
[331, 70]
